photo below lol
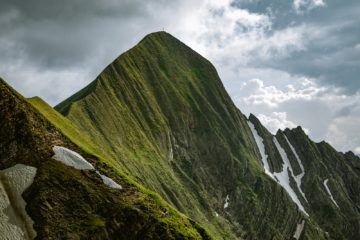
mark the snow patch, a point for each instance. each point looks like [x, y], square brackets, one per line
[328, 191]
[299, 229]
[75, 160]
[109, 182]
[14, 221]
[260, 144]
[283, 176]
[171, 151]
[71, 158]
[227, 201]
[298, 177]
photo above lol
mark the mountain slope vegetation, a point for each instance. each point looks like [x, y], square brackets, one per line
[161, 111]
[67, 203]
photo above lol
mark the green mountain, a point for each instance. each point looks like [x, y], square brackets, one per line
[161, 112]
[158, 135]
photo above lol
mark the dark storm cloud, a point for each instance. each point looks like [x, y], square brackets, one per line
[54, 33]
[62, 34]
[53, 48]
[332, 50]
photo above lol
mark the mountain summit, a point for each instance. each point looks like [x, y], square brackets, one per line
[159, 118]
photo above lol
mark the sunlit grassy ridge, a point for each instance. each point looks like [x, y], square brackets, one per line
[66, 203]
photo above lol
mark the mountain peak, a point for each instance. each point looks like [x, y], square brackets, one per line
[158, 58]
[158, 35]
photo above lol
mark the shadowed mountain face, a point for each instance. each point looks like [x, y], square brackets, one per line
[160, 111]
[160, 116]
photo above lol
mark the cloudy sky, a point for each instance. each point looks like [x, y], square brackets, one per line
[290, 62]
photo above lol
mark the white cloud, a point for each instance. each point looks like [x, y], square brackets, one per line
[50, 84]
[325, 113]
[357, 150]
[231, 35]
[304, 89]
[343, 133]
[276, 121]
[302, 6]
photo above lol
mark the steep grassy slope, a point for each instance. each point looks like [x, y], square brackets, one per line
[337, 213]
[66, 203]
[161, 112]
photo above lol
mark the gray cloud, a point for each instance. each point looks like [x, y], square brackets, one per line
[62, 34]
[331, 52]
[67, 43]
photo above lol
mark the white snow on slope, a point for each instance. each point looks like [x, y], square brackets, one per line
[109, 182]
[171, 151]
[227, 201]
[283, 176]
[299, 229]
[71, 158]
[260, 144]
[75, 160]
[298, 177]
[328, 191]
[14, 221]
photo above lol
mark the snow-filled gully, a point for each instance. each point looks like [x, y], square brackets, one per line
[298, 177]
[260, 144]
[75, 160]
[283, 177]
[329, 192]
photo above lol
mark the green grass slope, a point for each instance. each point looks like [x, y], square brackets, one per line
[161, 112]
[66, 203]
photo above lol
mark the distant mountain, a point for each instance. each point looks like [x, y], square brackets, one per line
[158, 119]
